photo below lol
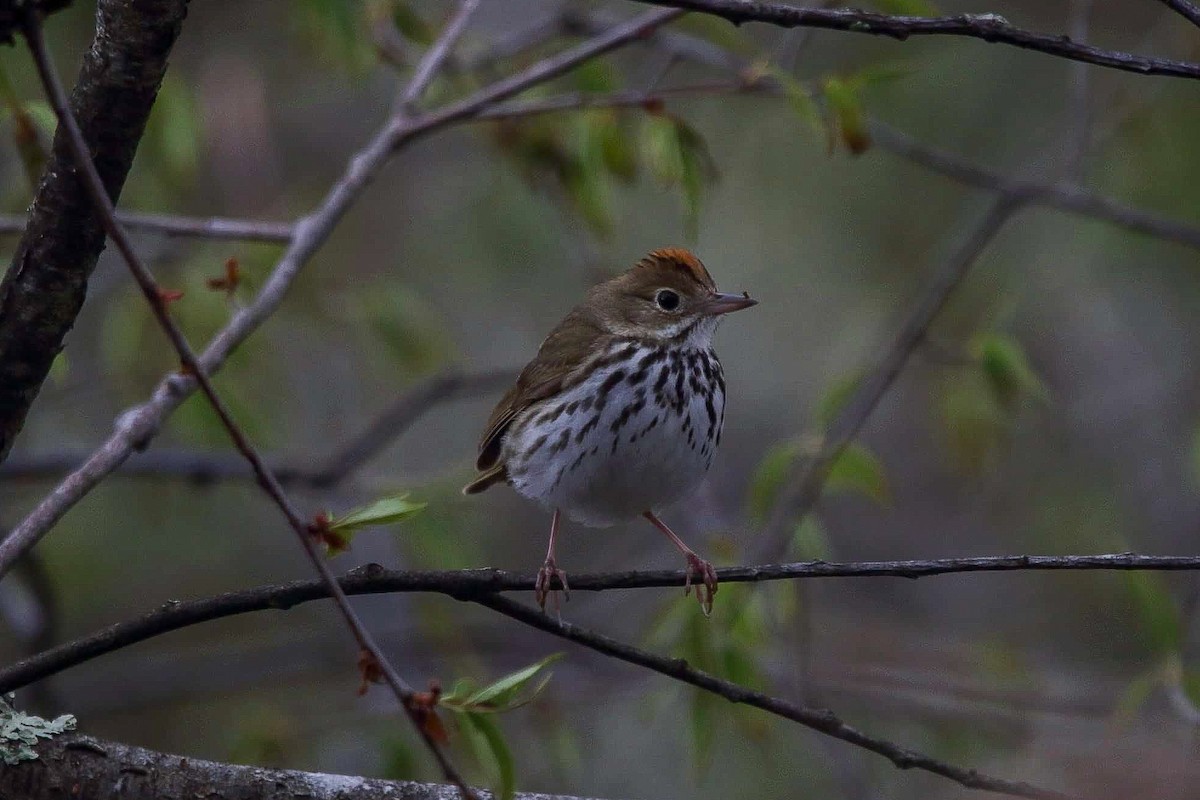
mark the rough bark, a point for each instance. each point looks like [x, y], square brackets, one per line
[76, 766]
[45, 286]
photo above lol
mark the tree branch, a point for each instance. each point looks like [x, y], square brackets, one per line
[45, 286]
[472, 584]
[116, 771]
[137, 426]
[802, 488]
[204, 468]
[1185, 8]
[1063, 196]
[435, 57]
[95, 187]
[818, 719]
[171, 225]
[988, 27]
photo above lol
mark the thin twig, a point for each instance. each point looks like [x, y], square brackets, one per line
[818, 719]
[201, 227]
[988, 27]
[137, 426]
[1063, 196]
[433, 60]
[400, 415]
[472, 584]
[802, 489]
[204, 468]
[1185, 8]
[95, 187]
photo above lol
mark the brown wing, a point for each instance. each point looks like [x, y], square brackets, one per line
[543, 377]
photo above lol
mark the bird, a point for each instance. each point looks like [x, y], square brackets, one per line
[619, 414]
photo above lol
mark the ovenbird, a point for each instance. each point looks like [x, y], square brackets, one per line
[620, 412]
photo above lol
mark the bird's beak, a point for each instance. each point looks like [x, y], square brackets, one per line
[721, 303]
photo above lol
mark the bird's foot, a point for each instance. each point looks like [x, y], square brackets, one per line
[543, 586]
[706, 576]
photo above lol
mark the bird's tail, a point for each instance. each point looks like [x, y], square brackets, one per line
[497, 474]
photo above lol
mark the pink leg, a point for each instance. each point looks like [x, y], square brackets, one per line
[696, 566]
[549, 571]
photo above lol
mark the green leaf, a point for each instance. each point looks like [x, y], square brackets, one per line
[1006, 369]
[974, 421]
[173, 131]
[704, 721]
[1157, 610]
[857, 469]
[1134, 696]
[494, 738]
[678, 156]
[799, 97]
[595, 76]
[768, 477]
[604, 142]
[337, 31]
[505, 693]
[411, 331]
[836, 397]
[810, 542]
[589, 192]
[849, 117]
[384, 511]
[410, 24]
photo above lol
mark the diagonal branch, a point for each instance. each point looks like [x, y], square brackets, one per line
[988, 27]
[435, 58]
[94, 185]
[137, 426]
[818, 719]
[802, 488]
[1063, 196]
[204, 468]
[44, 288]
[473, 584]
[1185, 8]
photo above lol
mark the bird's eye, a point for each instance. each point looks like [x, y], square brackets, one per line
[667, 300]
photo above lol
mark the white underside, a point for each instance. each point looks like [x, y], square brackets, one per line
[652, 466]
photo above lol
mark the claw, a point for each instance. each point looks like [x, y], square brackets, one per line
[542, 587]
[707, 586]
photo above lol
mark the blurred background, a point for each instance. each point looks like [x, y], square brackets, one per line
[1052, 409]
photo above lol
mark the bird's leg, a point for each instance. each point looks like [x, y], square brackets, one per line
[550, 571]
[696, 566]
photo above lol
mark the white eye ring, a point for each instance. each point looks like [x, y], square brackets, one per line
[667, 299]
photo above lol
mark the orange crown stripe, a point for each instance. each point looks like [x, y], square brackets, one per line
[681, 258]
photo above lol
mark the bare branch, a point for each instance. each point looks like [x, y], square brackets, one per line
[1063, 196]
[137, 426]
[44, 288]
[802, 489]
[206, 467]
[427, 68]
[95, 187]
[988, 27]
[170, 225]
[473, 584]
[400, 415]
[134, 773]
[1185, 8]
[818, 719]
